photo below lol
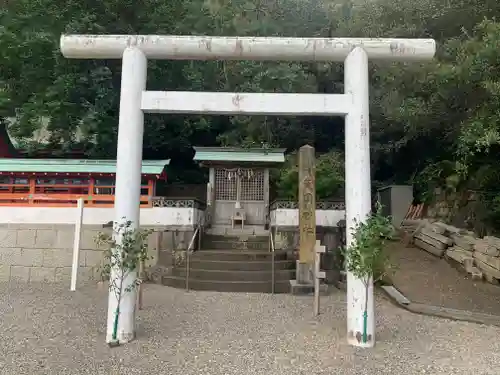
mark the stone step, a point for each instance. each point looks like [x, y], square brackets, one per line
[227, 286]
[228, 242]
[227, 230]
[237, 255]
[234, 276]
[237, 265]
[234, 245]
[235, 238]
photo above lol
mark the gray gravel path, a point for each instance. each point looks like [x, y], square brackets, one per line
[427, 279]
[49, 330]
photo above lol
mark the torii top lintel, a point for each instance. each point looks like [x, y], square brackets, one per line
[174, 47]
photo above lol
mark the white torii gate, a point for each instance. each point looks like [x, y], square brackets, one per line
[135, 100]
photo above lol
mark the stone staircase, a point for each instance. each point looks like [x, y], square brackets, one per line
[234, 263]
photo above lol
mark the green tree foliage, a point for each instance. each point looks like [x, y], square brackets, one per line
[329, 177]
[434, 123]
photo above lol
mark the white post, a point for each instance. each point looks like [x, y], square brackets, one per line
[358, 191]
[318, 274]
[128, 183]
[76, 243]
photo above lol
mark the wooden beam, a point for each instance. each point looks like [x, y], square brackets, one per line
[150, 191]
[32, 182]
[91, 191]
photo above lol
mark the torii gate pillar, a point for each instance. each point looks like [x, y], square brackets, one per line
[353, 104]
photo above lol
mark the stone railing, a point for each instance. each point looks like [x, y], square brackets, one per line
[320, 205]
[178, 202]
[284, 219]
[286, 213]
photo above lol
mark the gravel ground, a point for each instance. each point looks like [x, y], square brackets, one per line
[49, 330]
[425, 278]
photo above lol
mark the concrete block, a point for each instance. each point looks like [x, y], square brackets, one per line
[297, 288]
[165, 258]
[167, 240]
[306, 289]
[7, 255]
[8, 237]
[26, 238]
[475, 273]
[57, 257]
[154, 240]
[65, 238]
[429, 248]
[63, 274]
[463, 257]
[42, 274]
[63, 227]
[437, 228]
[493, 241]
[154, 245]
[489, 260]
[464, 241]
[28, 257]
[305, 273]
[31, 226]
[436, 237]
[396, 295]
[20, 273]
[92, 258]
[88, 240]
[4, 272]
[469, 265]
[437, 244]
[154, 257]
[458, 249]
[280, 241]
[487, 269]
[45, 238]
[484, 247]
[88, 273]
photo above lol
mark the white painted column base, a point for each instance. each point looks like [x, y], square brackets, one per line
[358, 191]
[128, 185]
[356, 297]
[126, 319]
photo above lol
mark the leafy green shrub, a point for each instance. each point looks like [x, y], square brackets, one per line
[329, 177]
[366, 257]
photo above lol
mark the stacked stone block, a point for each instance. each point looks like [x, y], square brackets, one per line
[44, 253]
[479, 257]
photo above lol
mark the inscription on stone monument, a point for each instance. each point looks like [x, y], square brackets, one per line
[307, 213]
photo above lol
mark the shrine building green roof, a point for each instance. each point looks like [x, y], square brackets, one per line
[239, 155]
[74, 166]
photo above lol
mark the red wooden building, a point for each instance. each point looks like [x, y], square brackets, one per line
[61, 182]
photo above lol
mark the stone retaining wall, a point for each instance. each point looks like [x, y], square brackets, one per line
[288, 238]
[44, 253]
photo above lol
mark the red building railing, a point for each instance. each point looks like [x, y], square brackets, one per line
[39, 191]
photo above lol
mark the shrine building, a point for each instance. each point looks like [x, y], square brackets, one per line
[61, 182]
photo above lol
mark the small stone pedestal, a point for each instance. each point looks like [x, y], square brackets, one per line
[300, 289]
[304, 283]
[307, 289]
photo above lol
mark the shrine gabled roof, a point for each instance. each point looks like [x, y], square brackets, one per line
[155, 167]
[239, 155]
